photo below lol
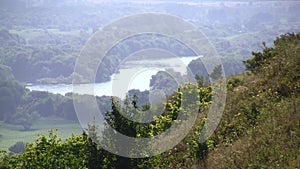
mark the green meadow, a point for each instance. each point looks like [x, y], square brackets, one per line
[10, 134]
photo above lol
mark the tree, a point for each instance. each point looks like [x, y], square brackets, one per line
[24, 118]
[165, 82]
[216, 73]
[198, 68]
[116, 120]
[259, 59]
[10, 93]
[279, 64]
[200, 80]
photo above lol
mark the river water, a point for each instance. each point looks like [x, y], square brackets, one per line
[131, 75]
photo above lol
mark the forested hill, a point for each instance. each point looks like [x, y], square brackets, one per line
[41, 39]
[260, 127]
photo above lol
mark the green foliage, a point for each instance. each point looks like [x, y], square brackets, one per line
[279, 65]
[81, 152]
[50, 45]
[260, 126]
[10, 93]
[216, 73]
[33, 105]
[234, 82]
[51, 152]
[164, 81]
[26, 119]
[259, 59]
[198, 68]
[200, 80]
[170, 111]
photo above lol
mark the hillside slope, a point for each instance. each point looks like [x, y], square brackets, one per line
[261, 124]
[260, 127]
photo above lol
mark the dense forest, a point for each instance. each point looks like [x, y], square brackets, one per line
[258, 43]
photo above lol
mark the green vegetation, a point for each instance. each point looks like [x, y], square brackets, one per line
[165, 81]
[51, 41]
[11, 134]
[49, 152]
[22, 107]
[216, 73]
[260, 127]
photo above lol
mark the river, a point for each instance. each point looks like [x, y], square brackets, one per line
[131, 75]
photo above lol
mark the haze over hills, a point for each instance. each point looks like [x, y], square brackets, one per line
[258, 45]
[235, 31]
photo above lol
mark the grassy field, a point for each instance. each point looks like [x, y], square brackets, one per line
[10, 134]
